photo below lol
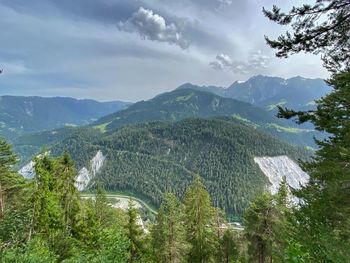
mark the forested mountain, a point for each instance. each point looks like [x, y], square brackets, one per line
[173, 106]
[153, 158]
[268, 92]
[184, 103]
[19, 115]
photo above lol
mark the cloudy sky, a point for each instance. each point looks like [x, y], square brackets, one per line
[134, 49]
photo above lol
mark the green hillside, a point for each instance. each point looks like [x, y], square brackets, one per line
[184, 103]
[21, 115]
[154, 158]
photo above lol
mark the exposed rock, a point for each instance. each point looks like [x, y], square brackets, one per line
[28, 171]
[275, 168]
[86, 175]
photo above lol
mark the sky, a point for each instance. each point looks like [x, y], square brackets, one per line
[135, 49]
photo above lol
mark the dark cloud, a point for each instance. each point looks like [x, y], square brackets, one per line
[74, 47]
[104, 11]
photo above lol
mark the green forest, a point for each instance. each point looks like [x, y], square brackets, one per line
[152, 159]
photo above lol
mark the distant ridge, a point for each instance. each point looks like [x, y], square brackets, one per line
[20, 115]
[267, 92]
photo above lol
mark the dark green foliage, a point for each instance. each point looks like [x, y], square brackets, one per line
[258, 222]
[134, 233]
[155, 158]
[169, 236]
[228, 251]
[323, 26]
[323, 221]
[200, 223]
[184, 103]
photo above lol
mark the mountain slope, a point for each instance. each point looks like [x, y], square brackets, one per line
[151, 159]
[20, 115]
[187, 103]
[184, 103]
[172, 106]
[268, 92]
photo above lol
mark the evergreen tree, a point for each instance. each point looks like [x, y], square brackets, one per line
[48, 215]
[65, 174]
[258, 227]
[169, 236]
[199, 220]
[228, 247]
[134, 233]
[321, 225]
[7, 184]
[320, 27]
[14, 208]
[102, 208]
[323, 221]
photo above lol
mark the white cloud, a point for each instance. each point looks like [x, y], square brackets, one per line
[13, 67]
[225, 2]
[154, 27]
[255, 61]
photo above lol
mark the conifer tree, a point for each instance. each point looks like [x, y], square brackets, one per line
[169, 236]
[321, 27]
[199, 220]
[258, 227]
[65, 174]
[228, 247]
[134, 233]
[7, 159]
[48, 216]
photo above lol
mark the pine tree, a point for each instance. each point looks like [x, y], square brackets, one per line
[199, 220]
[258, 227]
[320, 27]
[169, 236]
[323, 221]
[228, 247]
[14, 208]
[7, 159]
[65, 174]
[48, 215]
[134, 233]
[321, 225]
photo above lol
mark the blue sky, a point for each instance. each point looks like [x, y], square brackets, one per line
[134, 49]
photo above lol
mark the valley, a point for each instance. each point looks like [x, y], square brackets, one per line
[156, 146]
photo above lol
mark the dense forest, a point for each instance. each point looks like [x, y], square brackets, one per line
[46, 220]
[155, 158]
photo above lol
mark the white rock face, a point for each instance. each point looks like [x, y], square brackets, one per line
[27, 171]
[86, 175]
[275, 168]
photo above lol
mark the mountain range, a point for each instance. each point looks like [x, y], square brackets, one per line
[21, 115]
[267, 92]
[155, 146]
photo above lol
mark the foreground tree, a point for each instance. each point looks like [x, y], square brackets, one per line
[7, 179]
[258, 222]
[169, 236]
[321, 225]
[134, 233]
[324, 218]
[320, 27]
[200, 222]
